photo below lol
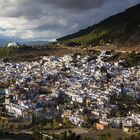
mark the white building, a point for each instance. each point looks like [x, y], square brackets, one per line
[12, 44]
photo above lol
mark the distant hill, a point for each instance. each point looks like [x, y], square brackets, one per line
[123, 28]
[35, 43]
[4, 42]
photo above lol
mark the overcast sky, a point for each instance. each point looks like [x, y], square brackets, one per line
[51, 19]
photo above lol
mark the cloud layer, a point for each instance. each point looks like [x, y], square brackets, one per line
[50, 19]
[75, 4]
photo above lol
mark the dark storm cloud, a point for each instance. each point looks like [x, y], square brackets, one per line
[76, 4]
[49, 27]
[36, 8]
[23, 8]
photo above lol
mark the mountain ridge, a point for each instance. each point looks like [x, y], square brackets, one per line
[119, 28]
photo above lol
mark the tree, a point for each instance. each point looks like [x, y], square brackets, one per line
[37, 132]
[118, 113]
[67, 122]
[85, 118]
[56, 124]
[103, 69]
[11, 127]
[105, 137]
[69, 135]
[94, 126]
[102, 42]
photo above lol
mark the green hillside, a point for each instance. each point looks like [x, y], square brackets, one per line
[121, 28]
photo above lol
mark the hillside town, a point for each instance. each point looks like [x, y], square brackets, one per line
[79, 88]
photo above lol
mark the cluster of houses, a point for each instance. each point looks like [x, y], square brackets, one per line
[73, 87]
